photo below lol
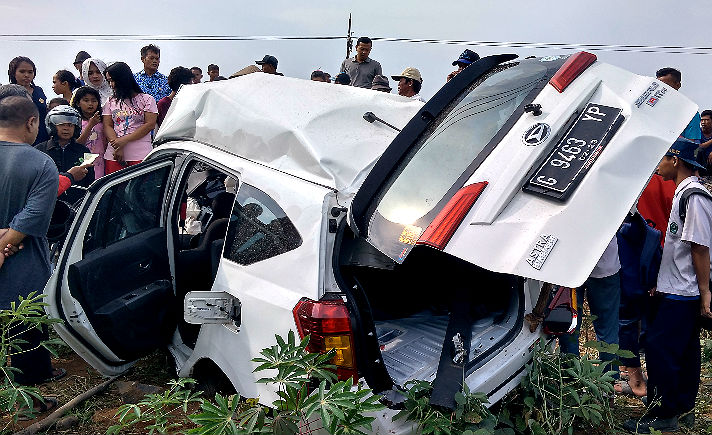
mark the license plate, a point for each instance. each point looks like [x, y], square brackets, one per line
[574, 155]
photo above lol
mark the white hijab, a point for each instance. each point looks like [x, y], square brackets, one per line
[105, 91]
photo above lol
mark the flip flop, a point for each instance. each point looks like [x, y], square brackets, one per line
[48, 404]
[626, 389]
[57, 374]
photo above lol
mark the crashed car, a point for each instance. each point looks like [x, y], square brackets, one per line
[411, 238]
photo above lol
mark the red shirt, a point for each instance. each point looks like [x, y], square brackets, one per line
[655, 202]
[163, 105]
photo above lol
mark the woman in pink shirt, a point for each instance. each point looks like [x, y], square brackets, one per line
[128, 118]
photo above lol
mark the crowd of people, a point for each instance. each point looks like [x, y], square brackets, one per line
[104, 121]
[115, 112]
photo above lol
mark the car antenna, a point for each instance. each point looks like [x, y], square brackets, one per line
[370, 117]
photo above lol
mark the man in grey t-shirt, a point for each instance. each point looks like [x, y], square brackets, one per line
[28, 191]
[361, 68]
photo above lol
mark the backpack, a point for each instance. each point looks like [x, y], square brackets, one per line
[685, 197]
[640, 254]
[705, 323]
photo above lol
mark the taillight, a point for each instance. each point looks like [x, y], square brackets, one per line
[572, 68]
[328, 324]
[446, 222]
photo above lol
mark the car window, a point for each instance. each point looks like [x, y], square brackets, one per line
[127, 208]
[258, 228]
[445, 151]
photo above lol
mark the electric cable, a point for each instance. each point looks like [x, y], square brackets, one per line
[639, 48]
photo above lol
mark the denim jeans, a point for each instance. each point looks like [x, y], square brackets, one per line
[604, 298]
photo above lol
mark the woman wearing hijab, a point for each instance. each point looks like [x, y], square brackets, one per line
[93, 75]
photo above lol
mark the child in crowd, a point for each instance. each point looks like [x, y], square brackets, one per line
[128, 117]
[93, 75]
[682, 295]
[63, 124]
[59, 101]
[64, 83]
[86, 101]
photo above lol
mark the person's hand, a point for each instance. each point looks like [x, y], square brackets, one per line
[9, 249]
[119, 155]
[95, 119]
[705, 298]
[653, 290]
[118, 143]
[452, 74]
[78, 172]
[709, 160]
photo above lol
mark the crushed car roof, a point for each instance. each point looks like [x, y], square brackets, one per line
[312, 130]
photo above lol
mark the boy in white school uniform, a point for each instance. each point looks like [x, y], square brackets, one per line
[681, 296]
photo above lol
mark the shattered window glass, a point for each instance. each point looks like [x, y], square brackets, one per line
[258, 228]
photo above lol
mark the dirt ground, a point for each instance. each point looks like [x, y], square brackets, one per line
[96, 414]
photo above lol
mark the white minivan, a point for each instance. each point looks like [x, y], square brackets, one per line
[411, 238]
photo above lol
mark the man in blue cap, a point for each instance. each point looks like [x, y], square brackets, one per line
[467, 58]
[682, 295]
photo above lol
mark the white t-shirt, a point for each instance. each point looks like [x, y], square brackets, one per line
[677, 275]
[609, 263]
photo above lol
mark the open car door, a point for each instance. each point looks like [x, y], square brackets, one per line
[113, 286]
[524, 167]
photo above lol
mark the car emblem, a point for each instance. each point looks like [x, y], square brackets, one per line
[536, 134]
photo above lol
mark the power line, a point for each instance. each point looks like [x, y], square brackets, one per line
[637, 48]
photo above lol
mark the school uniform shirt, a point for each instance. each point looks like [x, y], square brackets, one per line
[609, 263]
[677, 275]
[128, 116]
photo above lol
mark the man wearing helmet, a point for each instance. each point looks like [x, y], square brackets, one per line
[64, 124]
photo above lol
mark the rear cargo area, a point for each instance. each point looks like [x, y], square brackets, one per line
[410, 305]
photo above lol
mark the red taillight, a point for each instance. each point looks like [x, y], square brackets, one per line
[572, 68]
[328, 324]
[446, 222]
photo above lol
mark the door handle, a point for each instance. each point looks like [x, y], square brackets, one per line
[144, 266]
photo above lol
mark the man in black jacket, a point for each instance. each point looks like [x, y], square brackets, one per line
[64, 124]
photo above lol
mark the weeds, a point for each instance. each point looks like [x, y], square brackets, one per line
[24, 315]
[306, 388]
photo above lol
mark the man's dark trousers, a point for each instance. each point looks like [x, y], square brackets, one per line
[673, 355]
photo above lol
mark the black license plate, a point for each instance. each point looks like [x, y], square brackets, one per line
[574, 155]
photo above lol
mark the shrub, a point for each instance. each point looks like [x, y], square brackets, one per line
[306, 388]
[26, 314]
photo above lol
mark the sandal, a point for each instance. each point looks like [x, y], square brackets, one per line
[57, 374]
[626, 389]
[48, 404]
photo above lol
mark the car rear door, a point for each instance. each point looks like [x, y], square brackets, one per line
[504, 170]
[113, 284]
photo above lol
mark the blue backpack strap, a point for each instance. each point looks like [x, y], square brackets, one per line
[685, 197]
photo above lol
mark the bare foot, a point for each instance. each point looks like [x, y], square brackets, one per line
[635, 386]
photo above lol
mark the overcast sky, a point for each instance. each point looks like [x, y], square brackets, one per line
[619, 22]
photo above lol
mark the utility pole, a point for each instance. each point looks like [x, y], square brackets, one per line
[349, 40]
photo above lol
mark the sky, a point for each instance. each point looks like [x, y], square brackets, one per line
[619, 22]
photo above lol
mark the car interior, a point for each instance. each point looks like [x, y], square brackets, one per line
[200, 224]
[411, 304]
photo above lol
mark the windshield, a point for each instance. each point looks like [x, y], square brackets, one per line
[443, 154]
